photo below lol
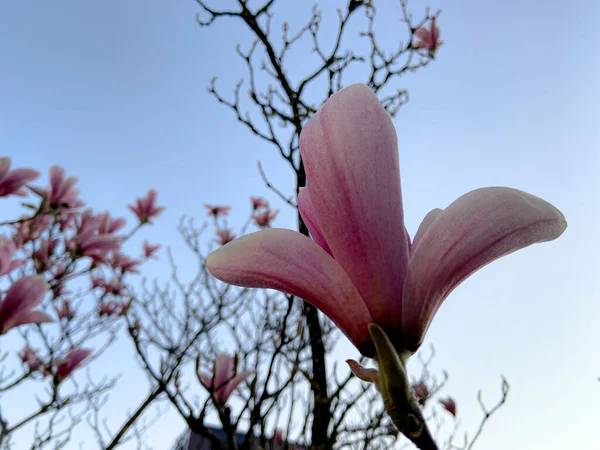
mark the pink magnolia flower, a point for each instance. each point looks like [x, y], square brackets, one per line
[29, 357]
[361, 267]
[224, 379]
[7, 254]
[60, 270]
[31, 229]
[429, 39]
[225, 236]
[258, 202]
[108, 225]
[216, 211]
[96, 281]
[61, 193]
[17, 307]
[89, 241]
[145, 207]
[112, 308]
[421, 392]
[113, 286]
[12, 181]
[70, 363]
[124, 262]
[43, 255]
[449, 405]
[150, 249]
[65, 311]
[264, 218]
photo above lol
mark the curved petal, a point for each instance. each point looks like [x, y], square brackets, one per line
[427, 221]
[223, 395]
[305, 207]
[223, 370]
[291, 262]
[349, 149]
[364, 373]
[478, 228]
[24, 318]
[23, 295]
[205, 380]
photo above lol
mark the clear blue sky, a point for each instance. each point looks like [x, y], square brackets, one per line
[114, 91]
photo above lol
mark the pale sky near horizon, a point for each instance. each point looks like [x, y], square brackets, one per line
[115, 92]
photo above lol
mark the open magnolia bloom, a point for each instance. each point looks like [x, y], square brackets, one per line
[362, 266]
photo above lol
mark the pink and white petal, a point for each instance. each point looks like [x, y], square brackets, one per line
[427, 221]
[224, 395]
[349, 149]
[478, 228]
[305, 207]
[291, 262]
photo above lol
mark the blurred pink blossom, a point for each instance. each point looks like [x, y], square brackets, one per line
[108, 225]
[43, 255]
[17, 306]
[12, 181]
[258, 202]
[96, 281]
[421, 392]
[31, 229]
[264, 218]
[65, 311]
[113, 286]
[429, 38]
[145, 208]
[30, 358]
[112, 308]
[224, 379]
[225, 236]
[449, 405]
[150, 249]
[89, 241]
[61, 193]
[124, 262]
[216, 210]
[7, 254]
[70, 363]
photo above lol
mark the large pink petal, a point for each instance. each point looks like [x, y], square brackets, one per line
[291, 262]
[427, 221]
[22, 296]
[223, 370]
[26, 317]
[349, 149]
[478, 228]
[305, 207]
